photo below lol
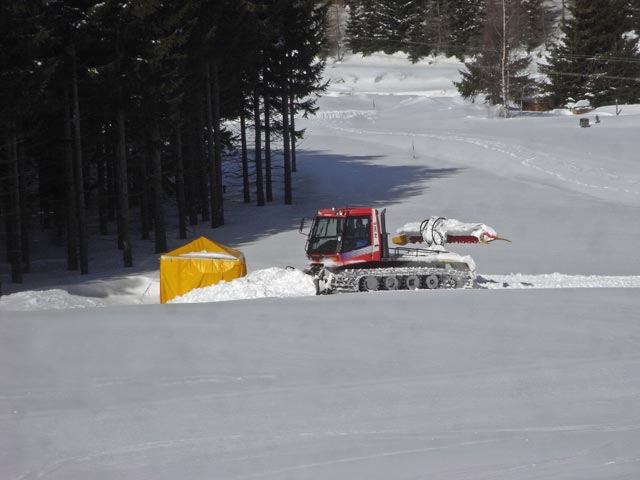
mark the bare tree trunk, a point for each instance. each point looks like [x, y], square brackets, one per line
[213, 168]
[83, 240]
[339, 52]
[24, 222]
[123, 192]
[160, 236]
[245, 158]
[192, 158]
[288, 196]
[292, 127]
[112, 195]
[70, 213]
[202, 165]
[180, 195]
[438, 28]
[258, 150]
[217, 139]
[141, 168]
[267, 144]
[504, 60]
[103, 201]
[14, 249]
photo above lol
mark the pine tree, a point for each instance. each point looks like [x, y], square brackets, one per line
[536, 22]
[465, 19]
[634, 10]
[595, 59]
[363, 31]
[416, 36]
[389, 26]
[336, 28]
[116, 99]
[21, 78]
[300, 35]
[499, 71]
[438, 24]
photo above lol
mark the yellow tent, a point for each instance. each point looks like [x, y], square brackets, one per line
[198, 264]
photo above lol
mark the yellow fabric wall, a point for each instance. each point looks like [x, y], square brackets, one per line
[178, 275]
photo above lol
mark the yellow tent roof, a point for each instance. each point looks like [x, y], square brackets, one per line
[198, 264]
[203, 244]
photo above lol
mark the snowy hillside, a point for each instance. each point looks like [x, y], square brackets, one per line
[532, 375]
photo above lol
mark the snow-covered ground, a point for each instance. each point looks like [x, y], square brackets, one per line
[533, 375]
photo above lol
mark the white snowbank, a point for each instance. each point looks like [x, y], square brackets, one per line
[278, 282]
[204, 254]
[118, 290]
[270, 282]
[54, 299]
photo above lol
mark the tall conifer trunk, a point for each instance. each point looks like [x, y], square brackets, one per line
[193, 158]
[112, 169]
[267, 144]
[245, 158]
[258, 149]
[180, 181]
[158, 193]
[83, 240]
[103, 201]
[203, 165]
[292, 127]
[70, 213]
[213, 168]
[217, 139]
[123, 191]
[288, 195]
[14, 249]
[141, 168]
[504, 59]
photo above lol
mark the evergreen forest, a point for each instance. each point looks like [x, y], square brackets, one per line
[586, 49]
[113, 113]
[120, 108]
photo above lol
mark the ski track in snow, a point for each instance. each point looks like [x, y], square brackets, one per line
[276, 282]
[535, 160]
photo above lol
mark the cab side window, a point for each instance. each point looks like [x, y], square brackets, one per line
[357, 233]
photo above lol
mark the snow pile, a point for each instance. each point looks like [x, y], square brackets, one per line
[270, 282]
[205, 254]
[117, 290]
[54, 299]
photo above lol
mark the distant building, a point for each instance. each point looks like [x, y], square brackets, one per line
[535, 104]
[580, 107]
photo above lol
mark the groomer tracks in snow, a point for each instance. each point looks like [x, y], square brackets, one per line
[278, 282]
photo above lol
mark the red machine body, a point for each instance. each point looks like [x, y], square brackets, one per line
[349, 251]
[346, 236]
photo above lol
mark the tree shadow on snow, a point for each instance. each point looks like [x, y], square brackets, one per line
[326, 180]
[323, 180]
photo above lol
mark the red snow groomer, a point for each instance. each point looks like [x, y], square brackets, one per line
[349, 251]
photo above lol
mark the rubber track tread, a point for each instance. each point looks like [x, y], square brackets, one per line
[349, 280]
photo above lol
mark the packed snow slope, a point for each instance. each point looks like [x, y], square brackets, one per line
[508, 384]
[397, 136]
[516, 380]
